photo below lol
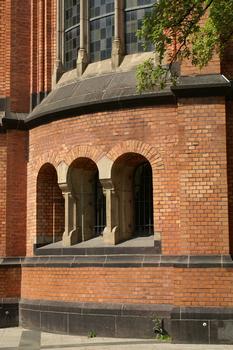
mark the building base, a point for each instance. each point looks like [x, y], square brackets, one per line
[9, 312]
[184, 325]
[208, 325]
[104, 320]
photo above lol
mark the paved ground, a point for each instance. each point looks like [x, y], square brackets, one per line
[22, 339]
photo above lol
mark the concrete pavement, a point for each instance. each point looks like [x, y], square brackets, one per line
[22, 339]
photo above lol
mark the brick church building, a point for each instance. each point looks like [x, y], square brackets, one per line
[115, 207]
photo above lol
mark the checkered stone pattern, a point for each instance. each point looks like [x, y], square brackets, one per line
[101, 29]
[72, 32]
[135, 10]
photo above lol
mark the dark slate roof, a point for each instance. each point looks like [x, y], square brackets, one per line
[97, 91]
[115, 90]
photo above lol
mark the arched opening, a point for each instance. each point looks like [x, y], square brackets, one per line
[100, 207]
[50, 207]
[143, 200]
[132, 178]
[90, 202]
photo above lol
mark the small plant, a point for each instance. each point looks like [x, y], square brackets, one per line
[91, 334]
[159, 331]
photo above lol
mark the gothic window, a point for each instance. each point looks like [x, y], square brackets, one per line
[101, 29]
[135, 10]
[71, 32]
[96, 29]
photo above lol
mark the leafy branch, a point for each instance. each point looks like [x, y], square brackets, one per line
[183, 29]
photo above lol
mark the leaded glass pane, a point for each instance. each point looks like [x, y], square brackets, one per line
[101, 7]
[72, 32]
[72, 13]
[135, 10]
[136, 3]
[72, 39]
[101, 29]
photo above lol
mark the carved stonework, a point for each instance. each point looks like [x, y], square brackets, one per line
[111, 231]
[70, 235]
[117, 55]
[82, 62]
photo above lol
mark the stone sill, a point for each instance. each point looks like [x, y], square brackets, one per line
[121, 261]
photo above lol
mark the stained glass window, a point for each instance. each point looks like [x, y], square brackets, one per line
[101, 29]
[135, 10]
[72, 32]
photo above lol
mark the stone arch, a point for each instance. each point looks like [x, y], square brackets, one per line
[134, 146]
[84, 151]
[123, 178]
[48, 157]
[49, 206]
[80, 185]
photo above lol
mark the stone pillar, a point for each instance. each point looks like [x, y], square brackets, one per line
[118, 42]
[58, 68]
[70, 235]
[111, 231]
[82, 60]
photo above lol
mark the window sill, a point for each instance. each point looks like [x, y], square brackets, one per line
[96, 246]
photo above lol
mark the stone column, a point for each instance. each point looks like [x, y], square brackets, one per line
[118, 42]
[82, 60]
[111, 231]
[58, 68]
[70, 235]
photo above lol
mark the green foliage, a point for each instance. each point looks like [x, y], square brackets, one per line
[183, 29]
[91, 334]
[159, 331]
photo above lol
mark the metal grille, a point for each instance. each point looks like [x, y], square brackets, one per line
[72, 32]
[100, 208]
[143, 199]
[101, 29]
[135, 10]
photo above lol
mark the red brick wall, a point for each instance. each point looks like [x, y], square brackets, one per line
[15, 53]
[180, 287]
[100, 133]
[229, 114]
[203, 287]
[20, 56]
[5, 43]
[190, 188]
[10, 282]
[13, 158]
[17, 154]
[226, 61]
[3, 196]
[110, 285]
[213, 67]
[43, 44]
[203, 180]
